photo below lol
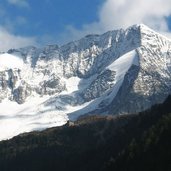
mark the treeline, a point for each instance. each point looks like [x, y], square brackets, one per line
[127, 142]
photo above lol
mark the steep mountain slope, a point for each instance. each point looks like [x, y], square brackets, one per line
[127, 142]
[123, 71]
[151, 81]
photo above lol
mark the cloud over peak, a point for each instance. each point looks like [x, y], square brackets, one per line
[9, 40]
[115, 14]
[123, 13]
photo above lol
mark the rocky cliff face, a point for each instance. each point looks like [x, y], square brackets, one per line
[152, 79]
[123, 71]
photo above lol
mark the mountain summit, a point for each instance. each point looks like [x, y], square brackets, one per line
[119, 72]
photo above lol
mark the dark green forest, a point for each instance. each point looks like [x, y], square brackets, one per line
[136, 142]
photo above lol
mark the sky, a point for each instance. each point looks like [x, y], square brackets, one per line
[43, 22]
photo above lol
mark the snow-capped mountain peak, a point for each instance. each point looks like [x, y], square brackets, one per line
[121, 71]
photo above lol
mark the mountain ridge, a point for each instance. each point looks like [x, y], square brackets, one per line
[123, 71]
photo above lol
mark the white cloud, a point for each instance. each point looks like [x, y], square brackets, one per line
[115, 14]
[19, 3]
[124, 13]
[9, 40]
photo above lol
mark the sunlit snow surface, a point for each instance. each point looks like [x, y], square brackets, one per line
[37, 114]
[8, 61]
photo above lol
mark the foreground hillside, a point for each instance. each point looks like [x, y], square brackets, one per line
[132, 142]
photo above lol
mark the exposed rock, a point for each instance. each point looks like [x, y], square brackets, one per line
[21, 93]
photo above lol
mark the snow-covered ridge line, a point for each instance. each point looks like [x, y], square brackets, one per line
[144, 27]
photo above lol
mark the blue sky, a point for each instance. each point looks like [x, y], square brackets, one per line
[47, 17]
[40, 22]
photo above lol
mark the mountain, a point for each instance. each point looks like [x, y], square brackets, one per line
[96, 143]
[119, 72]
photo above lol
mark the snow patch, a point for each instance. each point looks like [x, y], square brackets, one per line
[123, 63]
[8, 61]
[16, 119]
[72, 84]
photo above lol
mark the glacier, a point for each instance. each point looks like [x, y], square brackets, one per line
[118, 72]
